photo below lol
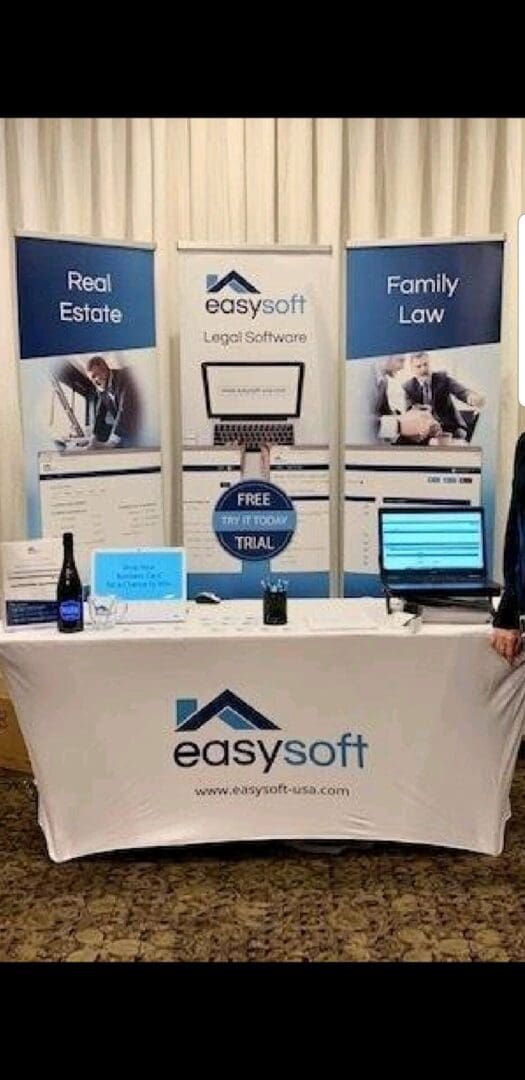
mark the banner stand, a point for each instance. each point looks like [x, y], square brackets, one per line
[258, 377]
[88, 374]
[422, 385]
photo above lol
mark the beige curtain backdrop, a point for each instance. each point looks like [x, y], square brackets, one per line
[250, 181]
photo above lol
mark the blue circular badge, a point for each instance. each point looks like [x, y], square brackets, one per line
[254, 520]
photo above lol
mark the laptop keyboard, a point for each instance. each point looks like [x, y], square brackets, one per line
[253, 436]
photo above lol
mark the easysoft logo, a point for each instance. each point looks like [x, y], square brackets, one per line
[240, 716]
[246, 305]
[228, 707]
[236, 281]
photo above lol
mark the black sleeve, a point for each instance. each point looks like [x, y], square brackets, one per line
[508, 613]
[457, 388]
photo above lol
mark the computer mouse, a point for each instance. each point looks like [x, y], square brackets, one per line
[207, 598]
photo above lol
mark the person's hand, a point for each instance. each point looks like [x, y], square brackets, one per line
[507, 643]
[476, 401]
[436, 428]
[418, 425]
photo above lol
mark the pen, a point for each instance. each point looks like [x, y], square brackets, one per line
[278, 586]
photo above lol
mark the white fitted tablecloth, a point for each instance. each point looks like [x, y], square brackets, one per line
[340, 725]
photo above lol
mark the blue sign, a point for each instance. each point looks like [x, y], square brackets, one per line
[413, 297]
[254, 520]
[76, 297]
[140, 574]
[25, 612]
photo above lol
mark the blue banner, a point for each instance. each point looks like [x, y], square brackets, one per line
[76, 297]
[408, 297]
[422, 387]
[89, 389]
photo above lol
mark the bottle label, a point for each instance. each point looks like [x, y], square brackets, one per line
[70, 610]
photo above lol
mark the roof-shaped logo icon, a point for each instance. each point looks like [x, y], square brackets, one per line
[236, 281]
[229, 707]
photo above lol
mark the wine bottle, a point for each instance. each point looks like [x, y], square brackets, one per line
[70, 613]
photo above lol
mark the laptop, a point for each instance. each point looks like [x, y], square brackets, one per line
[434, 552]
[253, 404]
[151, 581]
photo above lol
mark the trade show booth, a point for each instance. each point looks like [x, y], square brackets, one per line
[245, 680]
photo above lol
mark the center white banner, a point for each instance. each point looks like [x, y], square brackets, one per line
[258, 376]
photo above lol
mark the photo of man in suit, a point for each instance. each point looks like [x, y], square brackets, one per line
[434, 391]
[115, 421]
[396, 421]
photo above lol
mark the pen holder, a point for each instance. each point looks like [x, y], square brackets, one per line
[274, 607]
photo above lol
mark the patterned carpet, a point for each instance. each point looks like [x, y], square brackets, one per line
[258, 902]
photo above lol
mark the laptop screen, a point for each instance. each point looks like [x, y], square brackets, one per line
[432, 540]
[252, 391]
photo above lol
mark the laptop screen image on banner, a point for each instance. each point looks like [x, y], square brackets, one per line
[434, 550]
[253, 404]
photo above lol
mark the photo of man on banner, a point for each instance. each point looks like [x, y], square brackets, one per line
[94, 405]
[429, 406]
[115, 419]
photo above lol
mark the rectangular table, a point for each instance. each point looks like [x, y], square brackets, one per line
[340, 725]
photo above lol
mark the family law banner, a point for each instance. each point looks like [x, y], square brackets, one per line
[423, 349]
[89, 391]
[258, 381]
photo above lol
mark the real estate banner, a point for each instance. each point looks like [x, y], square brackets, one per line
[258, 379]
[88, 377]
[422, 386]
